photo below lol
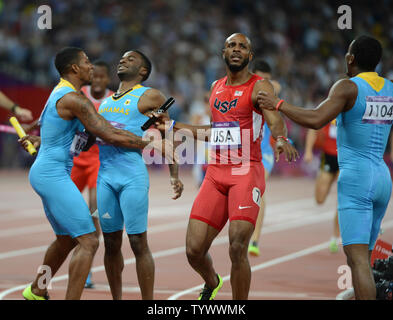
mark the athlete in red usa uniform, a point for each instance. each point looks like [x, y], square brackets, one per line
[234, 182]
[235, 167]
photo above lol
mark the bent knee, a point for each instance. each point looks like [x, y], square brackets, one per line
[356, 255]
[112, 244]
[139, 243]
[194, 252]
[89, 243]
[237, 250]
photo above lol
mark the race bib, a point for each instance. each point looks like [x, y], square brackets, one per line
[78, 143]
[225, 134]
[117, 125]
[379, 110]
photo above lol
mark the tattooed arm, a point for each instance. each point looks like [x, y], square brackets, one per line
[75, 105]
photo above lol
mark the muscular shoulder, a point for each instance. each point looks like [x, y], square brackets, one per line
[345, 92]
[151, 99]
[345, 88]
[261, 85]
[70, 104]
[213, 85]
[72, 98]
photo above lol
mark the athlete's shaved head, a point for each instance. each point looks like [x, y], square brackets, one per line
[237, 52]
[239, 35]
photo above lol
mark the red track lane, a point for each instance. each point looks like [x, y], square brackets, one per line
[294, 264]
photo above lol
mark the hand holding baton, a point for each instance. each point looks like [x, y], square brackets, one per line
[21, 133]
[162, 109]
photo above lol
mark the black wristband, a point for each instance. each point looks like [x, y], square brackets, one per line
[14, 107]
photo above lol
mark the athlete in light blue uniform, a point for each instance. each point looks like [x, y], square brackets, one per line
[62, 138]
[363, 106]
[50, 173]
[123, 180]
[364, 184]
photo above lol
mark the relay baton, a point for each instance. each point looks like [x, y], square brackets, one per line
[21, 133]
[162, 109]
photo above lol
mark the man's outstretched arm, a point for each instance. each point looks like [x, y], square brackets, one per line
[276, 124]
[82, 108]
[338, 100]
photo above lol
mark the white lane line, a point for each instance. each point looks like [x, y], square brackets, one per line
[22, 252]
[217, 241]
[278, 226]
[44, 227]
[22, 214]
[157, 211]
[280, 207]
[264, 265]
[220, 240]
[276, 213]
[105, 288]
[346, 294]
[11, 232]
[272, 262]
[252, 294]
[99, 287]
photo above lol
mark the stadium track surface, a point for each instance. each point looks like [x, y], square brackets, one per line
[295, 263]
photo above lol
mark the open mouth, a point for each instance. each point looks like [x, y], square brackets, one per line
[96, 87]
[236, 58]
[121, 68]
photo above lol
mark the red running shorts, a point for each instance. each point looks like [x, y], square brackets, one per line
[230, 192]
[84, 176]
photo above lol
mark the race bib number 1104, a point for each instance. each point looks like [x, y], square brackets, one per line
[379, 110]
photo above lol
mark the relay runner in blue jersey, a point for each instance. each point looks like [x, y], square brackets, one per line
[65, 115]
[363, 106]
[123, 180]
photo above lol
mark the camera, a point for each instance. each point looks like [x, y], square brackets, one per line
[384, 290]
[383, 269]
[383, 276]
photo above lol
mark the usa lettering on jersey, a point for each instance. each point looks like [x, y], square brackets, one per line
[224, 106]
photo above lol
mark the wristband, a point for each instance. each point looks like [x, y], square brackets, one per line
[284, 138]
[14, 107]
[278, 105]
[172, 124]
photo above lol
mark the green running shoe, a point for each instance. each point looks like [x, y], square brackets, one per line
[333, 246]
[253, 249]
[28, 295]
[210, 294]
